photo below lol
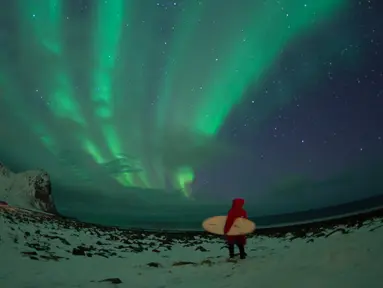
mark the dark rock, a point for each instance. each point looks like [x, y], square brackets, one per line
[78, 251]
[113, 238]
[52, 257]
[62, 240]
[101, 254]
[29, 253]
[154, 264]
[183, 263]
[43, 192]
[112, 280]
[202, 249]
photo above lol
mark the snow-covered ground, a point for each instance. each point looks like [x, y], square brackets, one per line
[44, 251]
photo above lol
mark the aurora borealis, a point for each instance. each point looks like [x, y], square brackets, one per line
[121, 95]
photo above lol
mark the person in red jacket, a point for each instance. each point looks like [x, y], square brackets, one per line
[235, 212]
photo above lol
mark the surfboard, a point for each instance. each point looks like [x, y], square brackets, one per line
[216, 225]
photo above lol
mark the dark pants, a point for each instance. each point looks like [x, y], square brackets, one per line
[241, 247]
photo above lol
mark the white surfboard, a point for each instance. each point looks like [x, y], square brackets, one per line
[216, 225]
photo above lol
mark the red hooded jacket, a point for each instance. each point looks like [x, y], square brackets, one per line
[235, 212]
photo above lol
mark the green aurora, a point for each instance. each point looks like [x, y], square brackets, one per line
[115, 51]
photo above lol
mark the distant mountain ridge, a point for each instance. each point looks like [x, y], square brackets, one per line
[353, 207]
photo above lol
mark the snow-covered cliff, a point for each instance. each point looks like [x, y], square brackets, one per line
[29, 189]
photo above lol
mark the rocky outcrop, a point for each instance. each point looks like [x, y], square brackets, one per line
[29, 189]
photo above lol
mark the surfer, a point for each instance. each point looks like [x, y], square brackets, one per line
[235, 212]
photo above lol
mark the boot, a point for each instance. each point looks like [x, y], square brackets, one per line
[231, 250]
[242, 253]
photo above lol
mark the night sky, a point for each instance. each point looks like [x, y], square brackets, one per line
[179, 106]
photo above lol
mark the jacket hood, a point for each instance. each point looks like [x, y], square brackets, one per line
[238, 203]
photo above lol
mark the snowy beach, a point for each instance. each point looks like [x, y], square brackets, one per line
[40, 250]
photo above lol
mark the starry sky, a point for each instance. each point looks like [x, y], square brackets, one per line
[169, 107]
